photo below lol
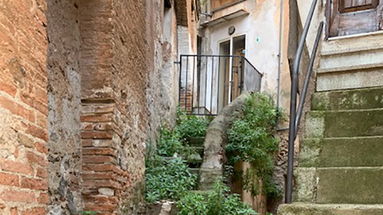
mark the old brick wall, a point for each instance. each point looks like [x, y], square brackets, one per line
[23, 108]
[85, 85]
[64, 107]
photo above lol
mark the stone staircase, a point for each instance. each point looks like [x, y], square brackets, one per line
[341, 159]
[194, 161]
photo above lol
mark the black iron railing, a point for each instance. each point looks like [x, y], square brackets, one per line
[296, 114]
[207, 83]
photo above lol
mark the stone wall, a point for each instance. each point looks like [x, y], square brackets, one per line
[64, 102]
[23, 108]
[81, 94]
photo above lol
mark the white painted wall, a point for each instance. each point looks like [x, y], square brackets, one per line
[261, 28]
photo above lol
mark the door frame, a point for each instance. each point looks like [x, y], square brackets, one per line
[230, 39]
[329, 16]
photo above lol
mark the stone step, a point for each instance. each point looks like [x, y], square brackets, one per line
[195, 141]
[340, 185]
[194, 171]
[350, 44]
[196, 149]
[350, 123]
[329, 209]
[350, 59]
[365, 98]
[350, 78]
[342, 152]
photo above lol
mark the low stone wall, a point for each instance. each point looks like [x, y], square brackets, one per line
[215, 140]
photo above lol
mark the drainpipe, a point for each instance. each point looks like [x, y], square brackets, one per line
[280, 52]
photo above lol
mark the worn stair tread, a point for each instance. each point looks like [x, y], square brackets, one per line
[330, 209]
[196, 141]
[344, 123]
[362, 98]
[349, 67]
[340, 185]
[342, 152]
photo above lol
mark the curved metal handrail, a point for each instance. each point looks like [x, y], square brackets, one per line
[295, 115]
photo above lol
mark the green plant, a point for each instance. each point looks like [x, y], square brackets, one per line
[216, 202]
[167, 179]
[190, 126]
[251, 140]
[169, 143]
[88, 213]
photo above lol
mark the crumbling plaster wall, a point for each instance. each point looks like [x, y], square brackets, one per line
[64, 108]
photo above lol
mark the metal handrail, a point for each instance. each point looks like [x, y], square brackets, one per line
[200, 84]
[295, 115]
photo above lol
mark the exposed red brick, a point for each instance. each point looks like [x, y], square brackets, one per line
[37, 132]
[34, 184]
[34, 211]
[14, 211]
[17, 196]
[109, 207]
[97, 176]
[99, 151]
[98, 159]
[8, 88]
[42, 172]
[14, 166]
[97, 199]
[100, 167]
[9, 179]
[97, 135]
[36, 159]
[101, 183]
[97, 118]
[86, 143]
[43, 198]
[17, 109]
[41, 147]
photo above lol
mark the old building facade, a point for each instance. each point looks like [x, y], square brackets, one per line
[84, 87]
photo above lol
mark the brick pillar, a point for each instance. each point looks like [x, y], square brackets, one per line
[103, 179]
[23, 108]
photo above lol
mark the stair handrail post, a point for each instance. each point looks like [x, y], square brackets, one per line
[293, 104]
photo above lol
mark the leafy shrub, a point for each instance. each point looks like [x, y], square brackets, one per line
[167, 179]
[216, 202]
[251, 140]
[190, 126]
[169, 143]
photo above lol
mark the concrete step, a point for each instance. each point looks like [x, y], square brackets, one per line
[340, 185]
[342, 152]
[329, 209]
[365, 98]
[350, 123]
[351, 61]
[352, 43]
[350, 78]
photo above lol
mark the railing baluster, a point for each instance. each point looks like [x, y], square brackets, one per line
[202, 74]
[293, 102]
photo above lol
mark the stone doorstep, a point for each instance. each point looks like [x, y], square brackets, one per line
[329, 209]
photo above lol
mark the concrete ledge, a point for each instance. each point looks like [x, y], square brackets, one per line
[329, 209]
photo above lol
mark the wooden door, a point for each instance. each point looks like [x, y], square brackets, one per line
[355, 16]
